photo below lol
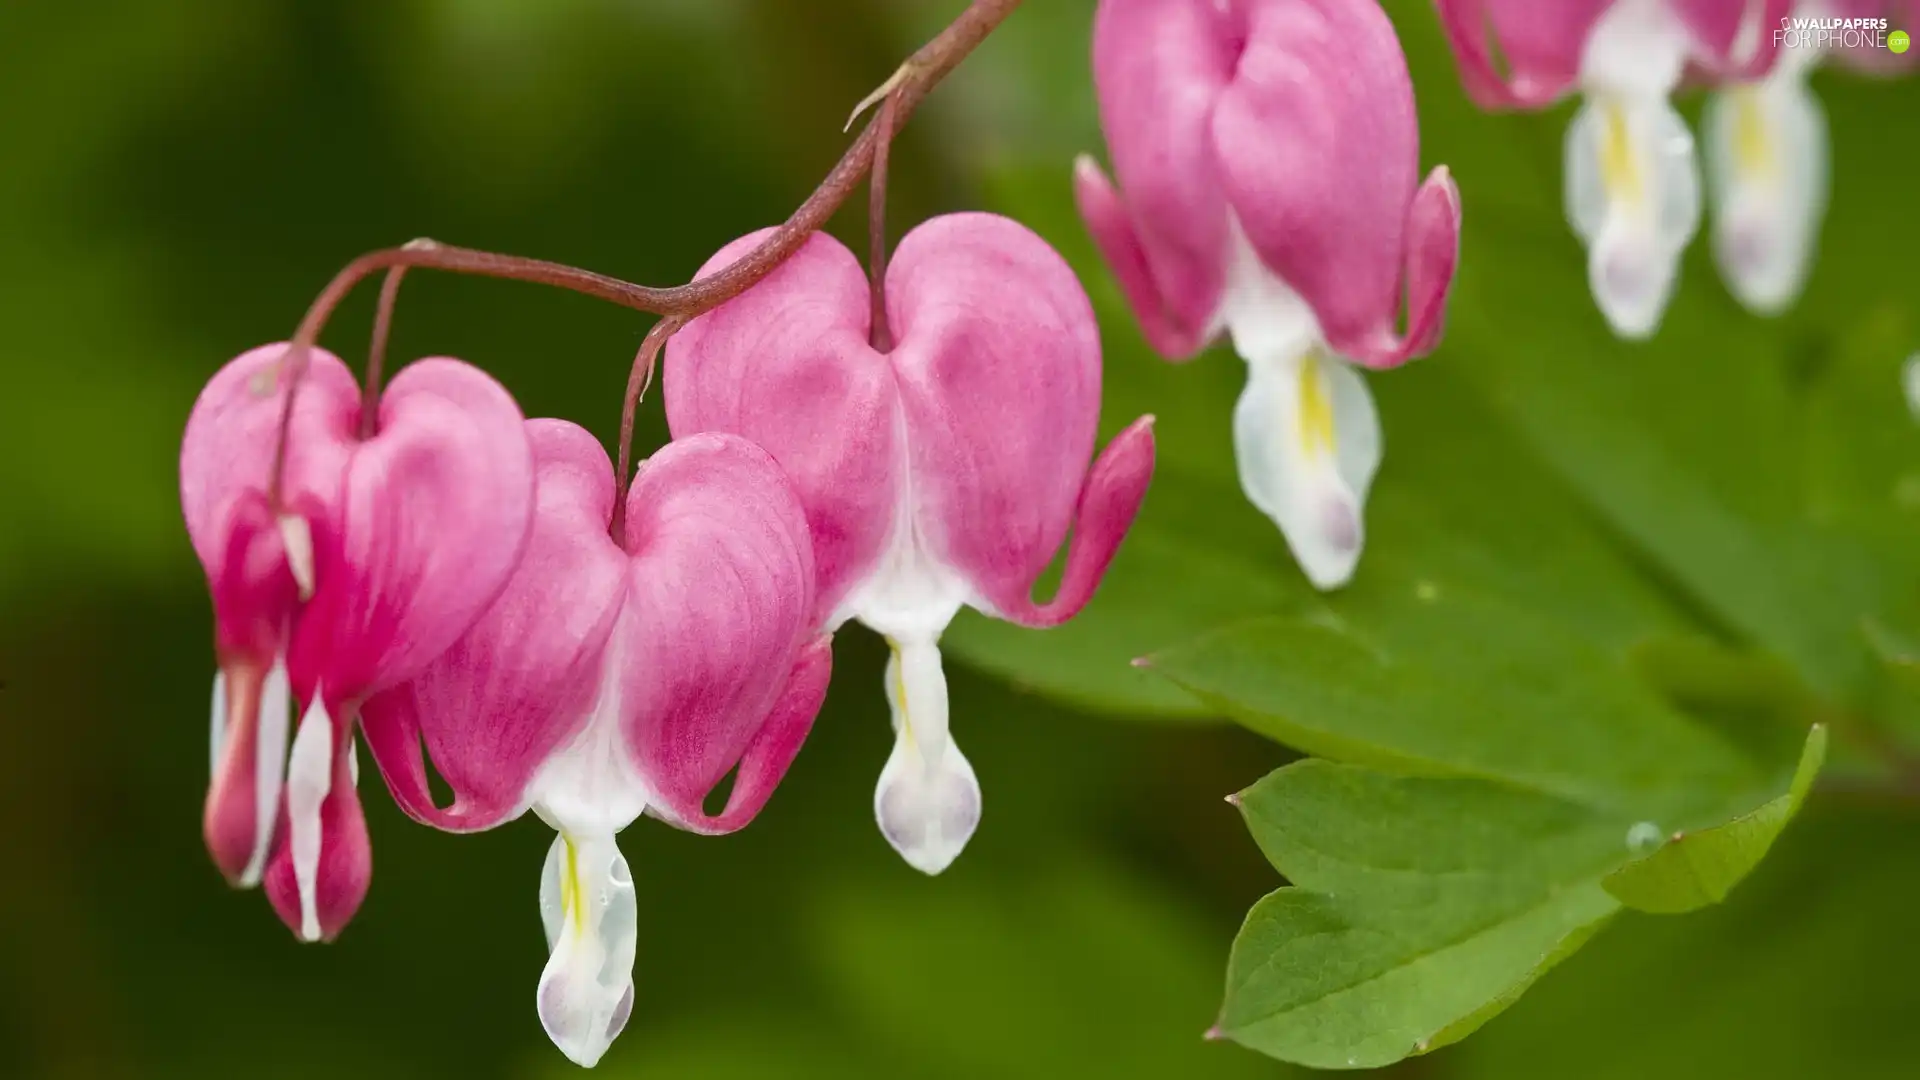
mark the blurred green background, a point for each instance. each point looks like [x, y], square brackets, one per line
[178, 178]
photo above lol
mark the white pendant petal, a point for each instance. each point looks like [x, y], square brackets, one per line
[1307, 440]
[309, 779]
[273, 723]
[928, 799]
[1766, 149]
[1633, 195]
[592, 922]
[217, 737]
[296, 536]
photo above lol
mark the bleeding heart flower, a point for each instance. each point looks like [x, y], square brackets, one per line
[1767, 154]
[1267, 159]
[375, 555]
[609, 680]
[1632, 186]
[944, 473]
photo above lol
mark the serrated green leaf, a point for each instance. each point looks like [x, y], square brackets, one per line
[1695, 869]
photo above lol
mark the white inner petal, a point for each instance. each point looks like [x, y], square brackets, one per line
[217, 737]
[592, 922]
[1632, 187]
[309, 778]
[928, 800]
[1766, 150]
[297, 537]
[272, 723]
[1633, 194]
[589, 786]
[1305, 433]
[1638, 48]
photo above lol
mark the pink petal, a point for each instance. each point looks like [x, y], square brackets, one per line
[787, 365]
[346, 856]
[1733, 39]
[1433, 250]
[434, 512]
[231, 818]
[1318, 149]
[778, 742]
[231, 434]
[1112, 230]
[999, 370]
[1115, 488]
[523, 680]
[720, 600]
[1158, 68]
[1519, 54]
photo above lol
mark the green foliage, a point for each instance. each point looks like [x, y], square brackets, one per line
[1609, 591]
[1693, 870]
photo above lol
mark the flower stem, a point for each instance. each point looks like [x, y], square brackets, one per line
[910, 85]
[881, 334]
[638, 380]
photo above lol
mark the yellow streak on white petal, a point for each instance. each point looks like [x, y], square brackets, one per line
[570, 892]
[1752, 142]
[1618, 170]
[1316, 410]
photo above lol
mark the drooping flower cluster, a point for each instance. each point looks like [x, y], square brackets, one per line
[1632, 184]
[1766, 145]
[1266, 157]
[451, 582]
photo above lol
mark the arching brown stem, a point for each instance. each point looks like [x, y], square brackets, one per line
[377, 351]
[910, 85]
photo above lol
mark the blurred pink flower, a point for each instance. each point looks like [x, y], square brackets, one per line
[1267, 159]
[378, 553]
[1766, 146]
[1632, 185]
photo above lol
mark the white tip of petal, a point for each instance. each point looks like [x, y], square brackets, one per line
[297, 537]
[217, 737]
[928, 799]
[592, 921]
[1307, 440]
[1633, 195]
[1910, 379]
[1766, 150]
[1632, 281]
[274, 722]
[927, 812]
[309, 779]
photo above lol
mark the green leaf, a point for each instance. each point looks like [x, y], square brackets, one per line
[1806, 971]
[1693, 870]
[1421, 907]
[1465, 686]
